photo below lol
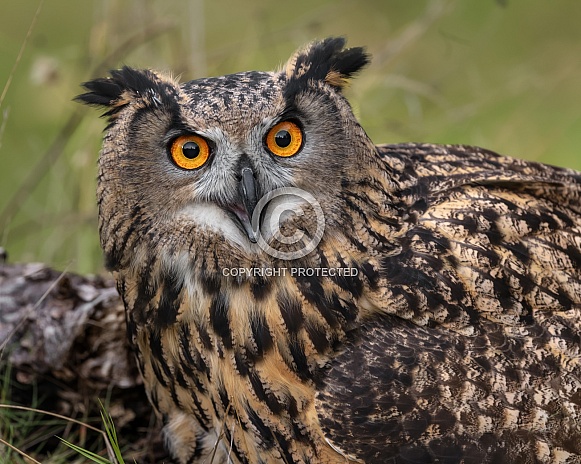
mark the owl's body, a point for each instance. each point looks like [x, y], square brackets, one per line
[437, 319]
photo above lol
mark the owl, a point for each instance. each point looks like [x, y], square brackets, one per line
[296, 294]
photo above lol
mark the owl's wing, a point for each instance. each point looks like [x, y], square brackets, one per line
[474, 352]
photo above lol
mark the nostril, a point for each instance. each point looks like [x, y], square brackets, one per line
[243, 163]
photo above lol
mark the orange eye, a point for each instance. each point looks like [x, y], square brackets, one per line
[285, 139]
[190, 151]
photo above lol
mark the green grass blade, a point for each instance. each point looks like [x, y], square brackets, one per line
[88, 454]
[111, 433]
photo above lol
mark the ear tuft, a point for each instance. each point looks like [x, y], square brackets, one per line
[126, 85]
[326, 61]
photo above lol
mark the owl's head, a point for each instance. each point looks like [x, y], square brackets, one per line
[188, 165]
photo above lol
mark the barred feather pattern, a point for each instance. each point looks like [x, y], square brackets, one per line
[458, 338]
[455, 337]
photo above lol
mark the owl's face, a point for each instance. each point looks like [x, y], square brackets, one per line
[197, 158]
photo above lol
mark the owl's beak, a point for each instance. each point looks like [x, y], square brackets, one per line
[248, 193]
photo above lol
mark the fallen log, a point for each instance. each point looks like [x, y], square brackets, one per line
[63, 341]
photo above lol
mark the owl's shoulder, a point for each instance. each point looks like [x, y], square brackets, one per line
[480, 235]
[437, 167]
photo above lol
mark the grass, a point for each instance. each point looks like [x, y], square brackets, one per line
[500, 74]
[112, 442]
[29, 434]
[39, 426]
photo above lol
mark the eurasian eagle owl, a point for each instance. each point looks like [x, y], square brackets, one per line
[297, 294]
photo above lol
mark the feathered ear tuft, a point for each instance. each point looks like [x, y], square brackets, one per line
[327, 61]
[127, 85]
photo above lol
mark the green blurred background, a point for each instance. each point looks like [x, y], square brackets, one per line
[501, 74]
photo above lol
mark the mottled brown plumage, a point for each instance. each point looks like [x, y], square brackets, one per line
[448, 330]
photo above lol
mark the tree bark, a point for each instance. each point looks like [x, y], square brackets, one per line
[63, 339]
